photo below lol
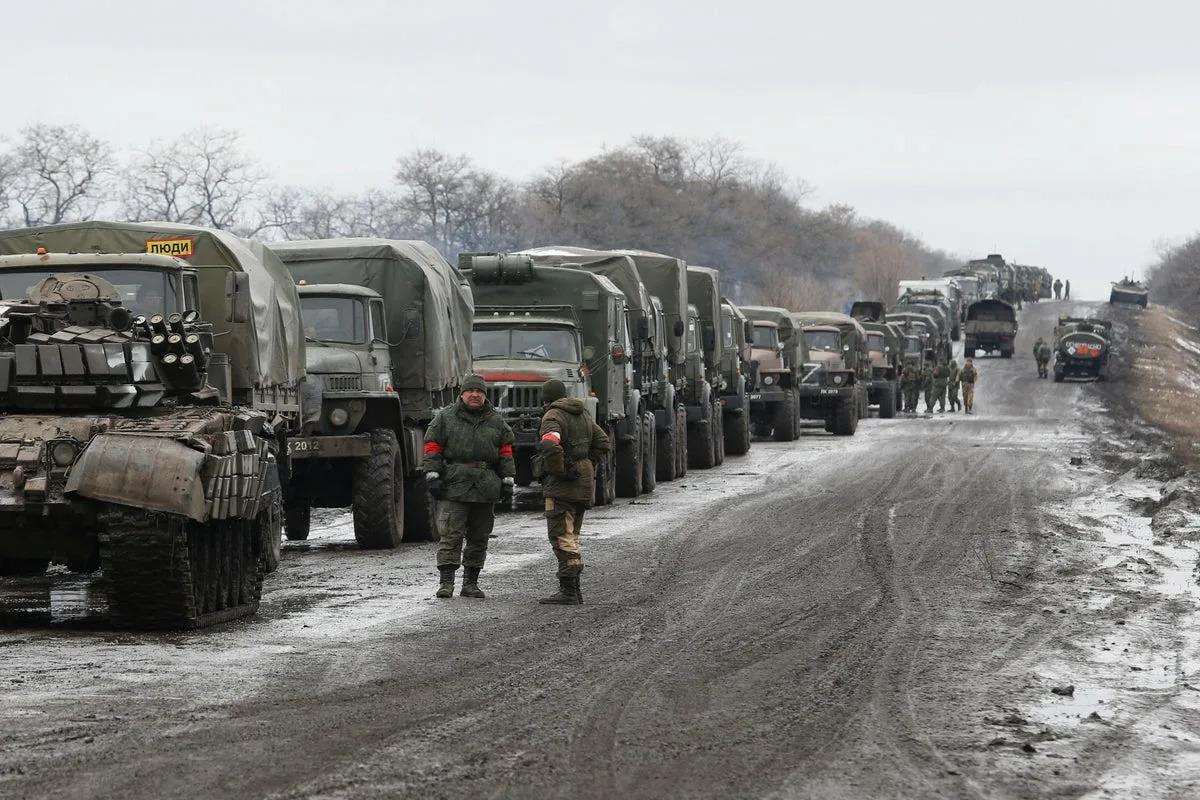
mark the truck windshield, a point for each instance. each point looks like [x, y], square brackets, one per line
[766, 337]
[875, 342]
[341, 320]
[912, 344]
[821, 340]
[540, 343]
[142, 291]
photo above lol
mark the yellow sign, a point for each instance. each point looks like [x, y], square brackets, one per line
[180, 248]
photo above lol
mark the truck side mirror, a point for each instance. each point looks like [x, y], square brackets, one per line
[679, 328]
[589, 353]
[643, 328]
[237, 297]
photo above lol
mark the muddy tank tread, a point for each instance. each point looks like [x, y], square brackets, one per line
[163, 572]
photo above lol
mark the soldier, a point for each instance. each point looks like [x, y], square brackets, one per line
[1057, 289]
[1042, 353]
[469, 468]
[571, 443]
[968, 375]
[926, 380]
[910, 383]
[952, 386]
[941, 379]
[1067, 290]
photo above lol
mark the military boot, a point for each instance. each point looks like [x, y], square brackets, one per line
[446, 589]
[470, 587]
[567, 594]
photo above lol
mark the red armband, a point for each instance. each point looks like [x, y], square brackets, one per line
[506, 451]
[432, 448]
[552, 436]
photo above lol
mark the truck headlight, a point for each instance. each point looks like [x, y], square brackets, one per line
[63, 453]
[838, 378]
[769, 381]
[338, 417]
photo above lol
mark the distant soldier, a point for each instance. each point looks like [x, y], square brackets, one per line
[910, 383]
[927, 385]
[1067, 290]
[1042, 353]
[1058, 284]
[968, 376]
[570, 445]
[468, 468]
[952, 386]
[941, 379]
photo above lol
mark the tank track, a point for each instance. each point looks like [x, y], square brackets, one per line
[165, 572]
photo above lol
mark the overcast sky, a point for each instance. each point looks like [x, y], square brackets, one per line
[1065, 134]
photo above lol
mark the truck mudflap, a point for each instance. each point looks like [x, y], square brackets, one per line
[352, 446]
[732, 402]
[153, 473]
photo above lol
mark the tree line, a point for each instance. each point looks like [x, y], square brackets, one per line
[1175, 277]
[706, 201]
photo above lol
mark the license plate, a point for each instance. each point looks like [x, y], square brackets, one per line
[303, 445]
[831, 391]
[756, 396]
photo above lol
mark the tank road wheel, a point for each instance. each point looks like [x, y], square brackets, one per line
[700, 452]
[887, 403]
[649, 453]
[737, 432]
[418, 510]
[666, 453]
[165, 572]
[681, 442]
[845, 421]
[629, 461]
[11, 567]
[606, 479]
[378, 494]
[784, 427]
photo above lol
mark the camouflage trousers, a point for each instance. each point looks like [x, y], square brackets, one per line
[912, 395]
[939, 395]
[564, 522]
[952, 397]
[463, 532]
[929, 398]
[968, 396]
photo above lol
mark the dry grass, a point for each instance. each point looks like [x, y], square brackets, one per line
[1164, 378]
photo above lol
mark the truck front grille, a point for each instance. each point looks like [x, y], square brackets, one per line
[343, 383]
[515, 398]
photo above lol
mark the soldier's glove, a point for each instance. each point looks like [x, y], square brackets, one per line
[506, 489]
[433, 482]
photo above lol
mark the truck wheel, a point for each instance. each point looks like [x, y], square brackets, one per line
[378, 494]
[10, 567]
[629, 461]
[649, 453]
[606, 479]
[956, 333]
[1006, 353]
[681, 442]
[700, 451]
[887, 402]
[845, 420]
[785, 418]
[666, 453]
[737, 432]
[270, 524]
[419, 523]
[1058, 376]
[718, 419]
[297, 515]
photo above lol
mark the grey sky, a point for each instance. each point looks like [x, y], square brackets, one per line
[1059, 133]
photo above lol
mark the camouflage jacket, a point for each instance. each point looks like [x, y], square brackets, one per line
[910, 376]
[968, 374]
[955, 376]
[941, 374]
[571, 444]
[925, 378]
[471, 450]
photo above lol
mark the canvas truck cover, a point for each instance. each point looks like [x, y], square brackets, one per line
[278, 343]
[704, 292]
[429, 305]
[789, 330]
[666, 278]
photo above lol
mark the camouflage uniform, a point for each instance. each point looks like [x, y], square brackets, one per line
[469, 464]
[968, 376]
[910, 383]
[571, 443]
[1042, 352]
[952, 387]
[941, 378]
[926, 380]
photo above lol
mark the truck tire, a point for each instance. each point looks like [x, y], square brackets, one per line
[419, 524]
[629, 461]
[271, 527]
[718, 433]
[845, 419]
[378, 494]
[681, 442]
[297, 514]
[887, 402]
[737, 432]
[784, 428]
[666, 459]
[761, 429]
[1059, 376]
[606, 478]
[1006, 353]
[649, 453]
[700, 450]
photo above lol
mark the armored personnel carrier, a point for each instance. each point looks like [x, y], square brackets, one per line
[143, 403]
[1129, 291]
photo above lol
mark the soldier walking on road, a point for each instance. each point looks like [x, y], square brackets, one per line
[1058, 289]
[927, 383]
[1067, 290]
[469, 468]
[941, 379]
[910, 383]
[570, 444]
[969, 376]
[952, 386]
[1041, 352]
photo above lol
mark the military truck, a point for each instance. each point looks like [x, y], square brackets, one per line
[1129, 291]
[427, 311]
[145, 404]
[991, 326]
[929, 326]
[836, 392]
[1081, 348]
[723, 362]
[655, 412]
[778, 358]
[941, 291]
[534, 323]
[737, 336]
[933, 304]
[885, 350]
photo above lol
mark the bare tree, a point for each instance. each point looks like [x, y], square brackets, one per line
[58, 174]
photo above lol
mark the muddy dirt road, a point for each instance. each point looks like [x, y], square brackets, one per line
[884, 616]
